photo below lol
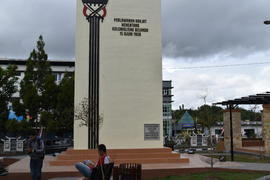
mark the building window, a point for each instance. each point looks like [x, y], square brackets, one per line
[166, 92]
[55, 76]
[167, 109]
[18, 74]
[218, 131]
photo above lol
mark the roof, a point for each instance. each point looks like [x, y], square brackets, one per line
[185, 122]
[262, 98]
[23, 62]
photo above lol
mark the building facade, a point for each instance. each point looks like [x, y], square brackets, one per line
[167, 108]
[59, 68]
[249, 129]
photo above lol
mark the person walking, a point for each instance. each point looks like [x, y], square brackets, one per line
[36, 153]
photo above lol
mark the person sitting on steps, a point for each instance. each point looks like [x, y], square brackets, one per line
[86, 167]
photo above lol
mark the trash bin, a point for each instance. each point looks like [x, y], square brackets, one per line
[130, 171]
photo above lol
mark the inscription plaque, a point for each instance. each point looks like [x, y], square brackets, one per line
[151, 132]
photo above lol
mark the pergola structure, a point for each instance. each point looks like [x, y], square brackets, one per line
[263, 98]
[232, 120]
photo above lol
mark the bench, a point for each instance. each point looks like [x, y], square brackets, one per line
[128, 172]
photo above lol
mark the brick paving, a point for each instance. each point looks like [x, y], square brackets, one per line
[198, 163]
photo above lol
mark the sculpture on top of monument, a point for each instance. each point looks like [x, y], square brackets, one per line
[95, 1]
[99, 5]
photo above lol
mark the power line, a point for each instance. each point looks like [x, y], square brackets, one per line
[219, 66]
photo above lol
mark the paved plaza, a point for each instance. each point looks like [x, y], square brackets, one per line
[196, 161]
[197, 164]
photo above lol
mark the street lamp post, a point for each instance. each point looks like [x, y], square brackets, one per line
[94, 11]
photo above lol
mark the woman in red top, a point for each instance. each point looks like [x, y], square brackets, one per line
[86, 167]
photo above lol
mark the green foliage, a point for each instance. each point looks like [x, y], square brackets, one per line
[250, 115]
[169, 143]
[12, 125]
[40, 96]
[18, 107]
[187, 136]
[209, 115]
[214, 175]
[47, 120]
[21, 128]
[65, 103]
[205, 115]
[38, 87]
[8, 87]
[50, 93]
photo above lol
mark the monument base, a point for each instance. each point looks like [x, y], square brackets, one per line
[118, 156]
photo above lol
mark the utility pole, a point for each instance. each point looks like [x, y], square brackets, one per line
[231, 133]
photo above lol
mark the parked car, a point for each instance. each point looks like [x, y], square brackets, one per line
[57, 145]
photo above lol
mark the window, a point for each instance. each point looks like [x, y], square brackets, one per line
[166, 92]
[167, 109]
[218, 131]
[55, 76]
[18, 74]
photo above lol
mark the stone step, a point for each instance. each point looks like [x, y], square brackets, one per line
[119, 156]
[141, 156]
[119, 161]
[120, 151]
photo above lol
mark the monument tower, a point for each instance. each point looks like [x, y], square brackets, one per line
[119, 69]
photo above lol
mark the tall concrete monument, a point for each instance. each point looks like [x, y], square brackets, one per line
[119, 69]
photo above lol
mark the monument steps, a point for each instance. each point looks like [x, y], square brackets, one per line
[120, 151]
[120, 156]
[140, 156]
[119, 161]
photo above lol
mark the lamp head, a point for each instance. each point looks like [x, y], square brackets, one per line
[104, 2]
[267, 22]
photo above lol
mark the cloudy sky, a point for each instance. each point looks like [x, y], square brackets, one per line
[198, 38]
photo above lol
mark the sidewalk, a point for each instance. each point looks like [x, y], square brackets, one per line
[264, 178]
[204, 161]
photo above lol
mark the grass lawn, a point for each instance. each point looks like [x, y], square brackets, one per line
[217, 176]
[246, 158]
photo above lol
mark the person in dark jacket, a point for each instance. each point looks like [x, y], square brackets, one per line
[36, 153]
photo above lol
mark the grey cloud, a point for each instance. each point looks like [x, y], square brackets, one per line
[193, 28]
[22, 21]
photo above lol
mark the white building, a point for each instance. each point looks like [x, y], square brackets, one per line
[59, 68]
[247, 127]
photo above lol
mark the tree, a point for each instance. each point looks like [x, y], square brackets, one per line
[65, 103]
[8, 87]
[81, 112]
[250, 115]
[37, 83]
[209, 115]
